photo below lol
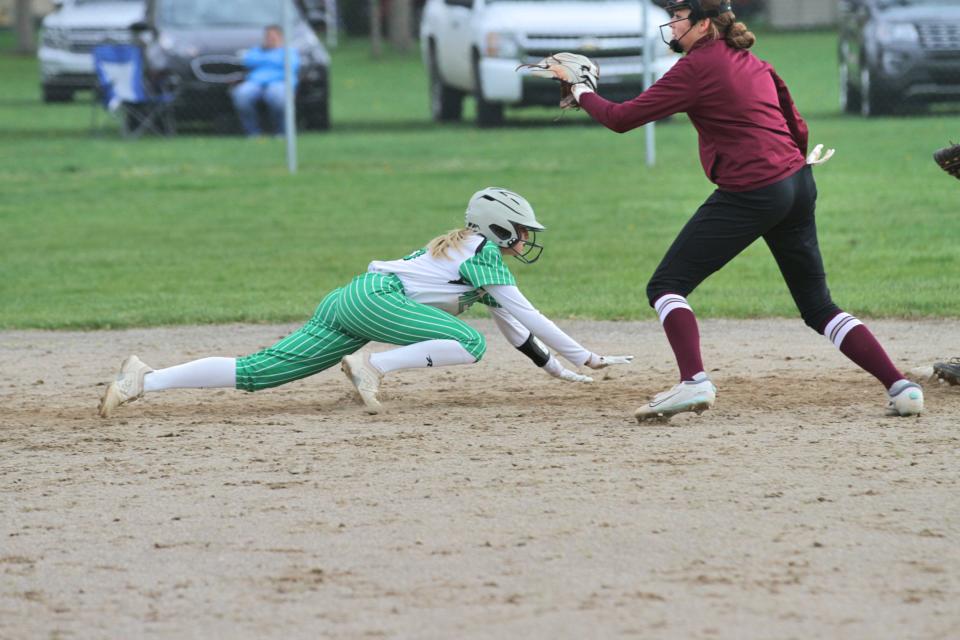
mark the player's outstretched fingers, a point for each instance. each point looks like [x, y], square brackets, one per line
[599, 362]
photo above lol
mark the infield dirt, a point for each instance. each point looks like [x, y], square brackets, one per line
[489, 501]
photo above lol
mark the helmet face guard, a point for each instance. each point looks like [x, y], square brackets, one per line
[697, 14]
[531, 248]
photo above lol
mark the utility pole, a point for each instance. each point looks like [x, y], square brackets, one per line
[289, 104]
[650, 129]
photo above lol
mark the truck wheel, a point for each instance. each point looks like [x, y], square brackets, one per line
[57, 94]
[849, 95]
[318, 119]
[316, 115]
[446, 103]
[489, 114]
[873, 102]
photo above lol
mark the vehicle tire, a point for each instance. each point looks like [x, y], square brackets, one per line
[849, 94]
[873, 101]
[57, 94]
[489, 114]
[317, 116]
[446, 103]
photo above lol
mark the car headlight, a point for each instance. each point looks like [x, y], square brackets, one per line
[178, 49]
[897, 32]
[54, 37]
[502, 45]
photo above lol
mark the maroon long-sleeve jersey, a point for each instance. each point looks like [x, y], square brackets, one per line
[751, 134]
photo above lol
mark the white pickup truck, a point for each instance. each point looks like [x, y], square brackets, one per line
[474, 46]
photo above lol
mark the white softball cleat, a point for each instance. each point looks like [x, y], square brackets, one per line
[126, 388]
[695, 395]
[365, 378]
[905, 398]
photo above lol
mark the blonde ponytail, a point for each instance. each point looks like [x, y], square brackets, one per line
[452, 240]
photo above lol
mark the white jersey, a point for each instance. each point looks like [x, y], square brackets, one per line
[452, 282]
[477, 273]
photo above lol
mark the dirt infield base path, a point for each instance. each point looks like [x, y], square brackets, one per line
[490, 502]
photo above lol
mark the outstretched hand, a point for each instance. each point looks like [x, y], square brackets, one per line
[600, 362]
[571, 376]
[557, 370]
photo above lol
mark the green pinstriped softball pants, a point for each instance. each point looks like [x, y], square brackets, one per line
[372, 307]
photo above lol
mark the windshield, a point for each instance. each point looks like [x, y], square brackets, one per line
[217, 13]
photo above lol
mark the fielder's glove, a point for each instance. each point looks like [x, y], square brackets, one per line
[557, 370]
[569, 69]
[601, 362]
[948, 371]
[949, 159]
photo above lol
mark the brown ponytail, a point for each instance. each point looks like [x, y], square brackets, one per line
[726, 27]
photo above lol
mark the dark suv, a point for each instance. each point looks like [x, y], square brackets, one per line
[199, 44]
[898, 54]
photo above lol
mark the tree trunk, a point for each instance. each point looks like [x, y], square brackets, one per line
[26, 40]
[401, 16]
[376, 30]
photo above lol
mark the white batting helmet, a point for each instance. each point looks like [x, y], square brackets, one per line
[498, 215]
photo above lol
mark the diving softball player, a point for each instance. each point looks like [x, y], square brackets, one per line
[412, 302]
[753, 144]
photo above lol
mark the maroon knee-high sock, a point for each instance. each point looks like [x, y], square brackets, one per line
[680, 325]
[857, 343]
[862, 347]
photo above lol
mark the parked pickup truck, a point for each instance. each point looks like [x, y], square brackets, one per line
[473, 47]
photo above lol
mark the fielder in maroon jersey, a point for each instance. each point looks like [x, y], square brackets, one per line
[753, 146]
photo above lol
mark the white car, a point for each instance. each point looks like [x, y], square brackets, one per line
[474, 46]
[68, 36]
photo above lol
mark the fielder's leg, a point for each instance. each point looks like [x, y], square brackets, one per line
[726, 224]
[796, 249]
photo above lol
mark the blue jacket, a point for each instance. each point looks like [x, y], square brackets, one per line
[266, 65]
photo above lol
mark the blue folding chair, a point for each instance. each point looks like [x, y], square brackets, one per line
[123, 90]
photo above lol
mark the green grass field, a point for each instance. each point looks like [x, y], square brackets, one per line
[103, 232]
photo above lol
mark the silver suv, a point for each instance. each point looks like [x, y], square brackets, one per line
[70, 33]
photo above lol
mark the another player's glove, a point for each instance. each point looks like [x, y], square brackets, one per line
[557, 370]
[569, 69]
[601, 362]
[948, 371]
[817, 156]
[949, 159]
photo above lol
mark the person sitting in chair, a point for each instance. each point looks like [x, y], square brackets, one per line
[264, 82]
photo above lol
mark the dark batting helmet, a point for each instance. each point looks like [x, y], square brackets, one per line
[697, 12]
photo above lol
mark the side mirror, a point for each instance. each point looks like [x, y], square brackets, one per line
[58, 4]
[139, 27]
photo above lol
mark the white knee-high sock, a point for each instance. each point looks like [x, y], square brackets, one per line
[198, 374]
[431, 353]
